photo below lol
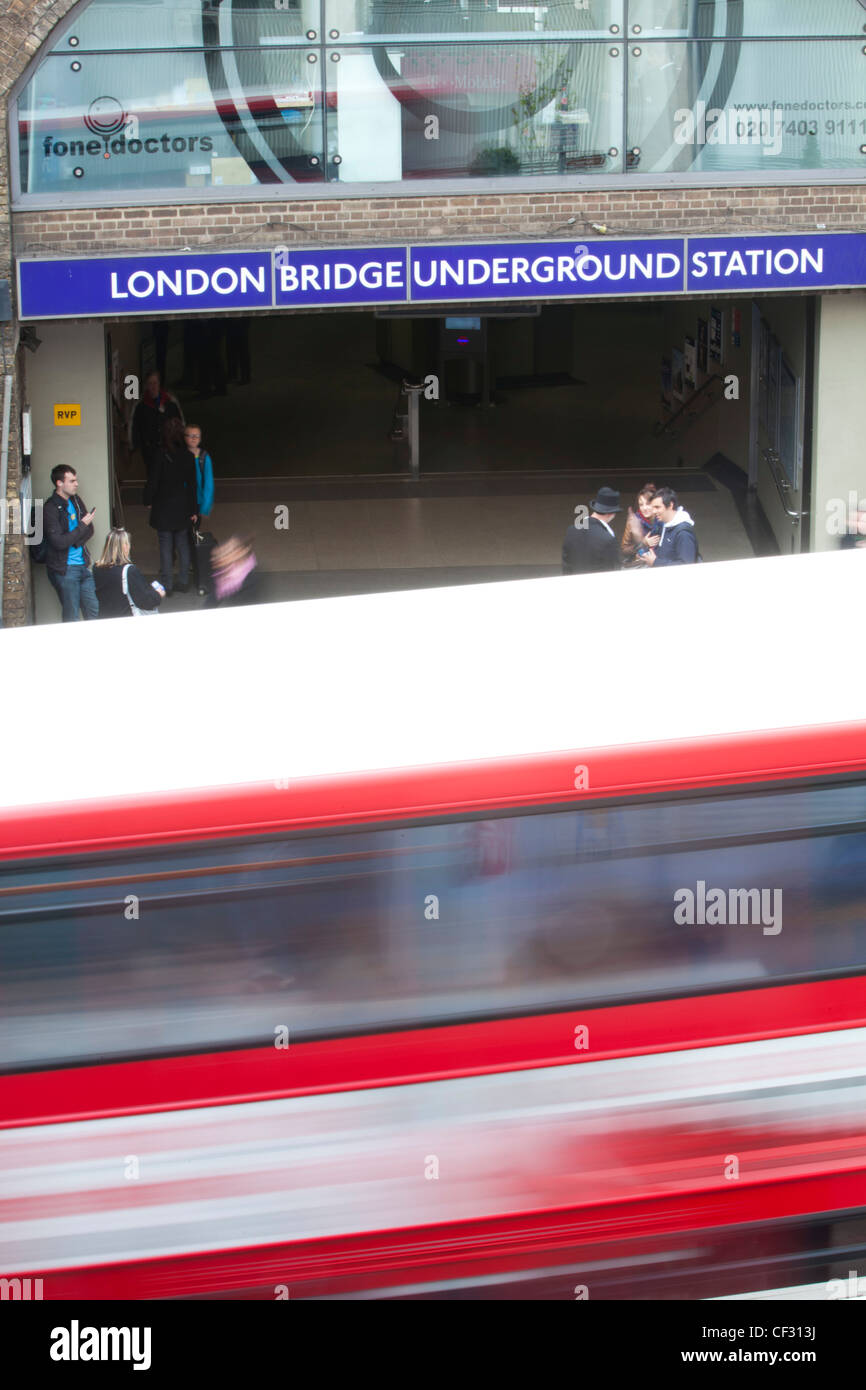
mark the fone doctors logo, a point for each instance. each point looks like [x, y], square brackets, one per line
[105, 116]
[119, 134]
[77, 1343]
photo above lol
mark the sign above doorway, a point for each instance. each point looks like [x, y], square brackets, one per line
[208, 282]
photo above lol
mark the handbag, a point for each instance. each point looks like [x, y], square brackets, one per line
[136, 612]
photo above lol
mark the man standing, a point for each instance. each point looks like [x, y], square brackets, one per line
[678, 544]
[67, 525]
[592, 548]
[155, 407]
[171, 495]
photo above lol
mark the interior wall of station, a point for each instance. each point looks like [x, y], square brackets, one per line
[840, 413]
[786, 318]
[723, 427]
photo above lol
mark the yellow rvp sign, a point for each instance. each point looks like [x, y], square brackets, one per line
[67, 414]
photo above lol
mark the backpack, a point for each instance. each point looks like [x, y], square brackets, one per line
[39, 551]
[699, 559]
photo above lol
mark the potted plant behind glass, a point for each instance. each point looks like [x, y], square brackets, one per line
[496, 161]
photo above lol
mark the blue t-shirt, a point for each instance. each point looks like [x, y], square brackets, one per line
[75, 553]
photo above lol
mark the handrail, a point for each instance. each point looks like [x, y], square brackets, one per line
[782, 485]
[664, 425]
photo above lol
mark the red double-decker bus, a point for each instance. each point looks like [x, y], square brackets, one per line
[500, 941]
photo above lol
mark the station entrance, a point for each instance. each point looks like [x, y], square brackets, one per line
[558, 387]
[536, 408]
[712, 398]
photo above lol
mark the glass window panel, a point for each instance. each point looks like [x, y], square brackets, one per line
[497, 110]
[747, 107]
[171, 120]
[141, 24]
[359, 18]
[247, 108]
[770, 18]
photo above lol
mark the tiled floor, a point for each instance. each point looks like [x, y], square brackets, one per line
[337, 546]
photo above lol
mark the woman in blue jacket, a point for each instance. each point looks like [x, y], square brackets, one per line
[204, 495]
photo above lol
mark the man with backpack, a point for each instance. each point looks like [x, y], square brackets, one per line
[67, 524]
[678, 544]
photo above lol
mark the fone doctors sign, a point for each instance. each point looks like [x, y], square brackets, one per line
[497, 271]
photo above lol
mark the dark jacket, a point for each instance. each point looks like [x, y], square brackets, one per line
[250, 591]
[170, 490]
[589, 549]
[679, 544]
[109, 590]
[59, 540]
[148, 419]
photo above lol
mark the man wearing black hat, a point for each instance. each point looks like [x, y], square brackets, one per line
[591, 548]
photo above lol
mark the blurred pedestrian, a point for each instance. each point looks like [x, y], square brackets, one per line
[121, 588]
[591, 548]
[234, 574]
[171, 495]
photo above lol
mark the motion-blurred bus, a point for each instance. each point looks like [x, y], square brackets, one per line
[505, 941]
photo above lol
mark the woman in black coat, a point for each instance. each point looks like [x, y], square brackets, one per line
[111, 569]
[171, 495]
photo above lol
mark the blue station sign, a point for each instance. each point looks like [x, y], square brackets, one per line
[113, 286]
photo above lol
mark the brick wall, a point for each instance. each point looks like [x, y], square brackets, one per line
[344, 221]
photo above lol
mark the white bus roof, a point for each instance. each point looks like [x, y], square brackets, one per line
[396, 680]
